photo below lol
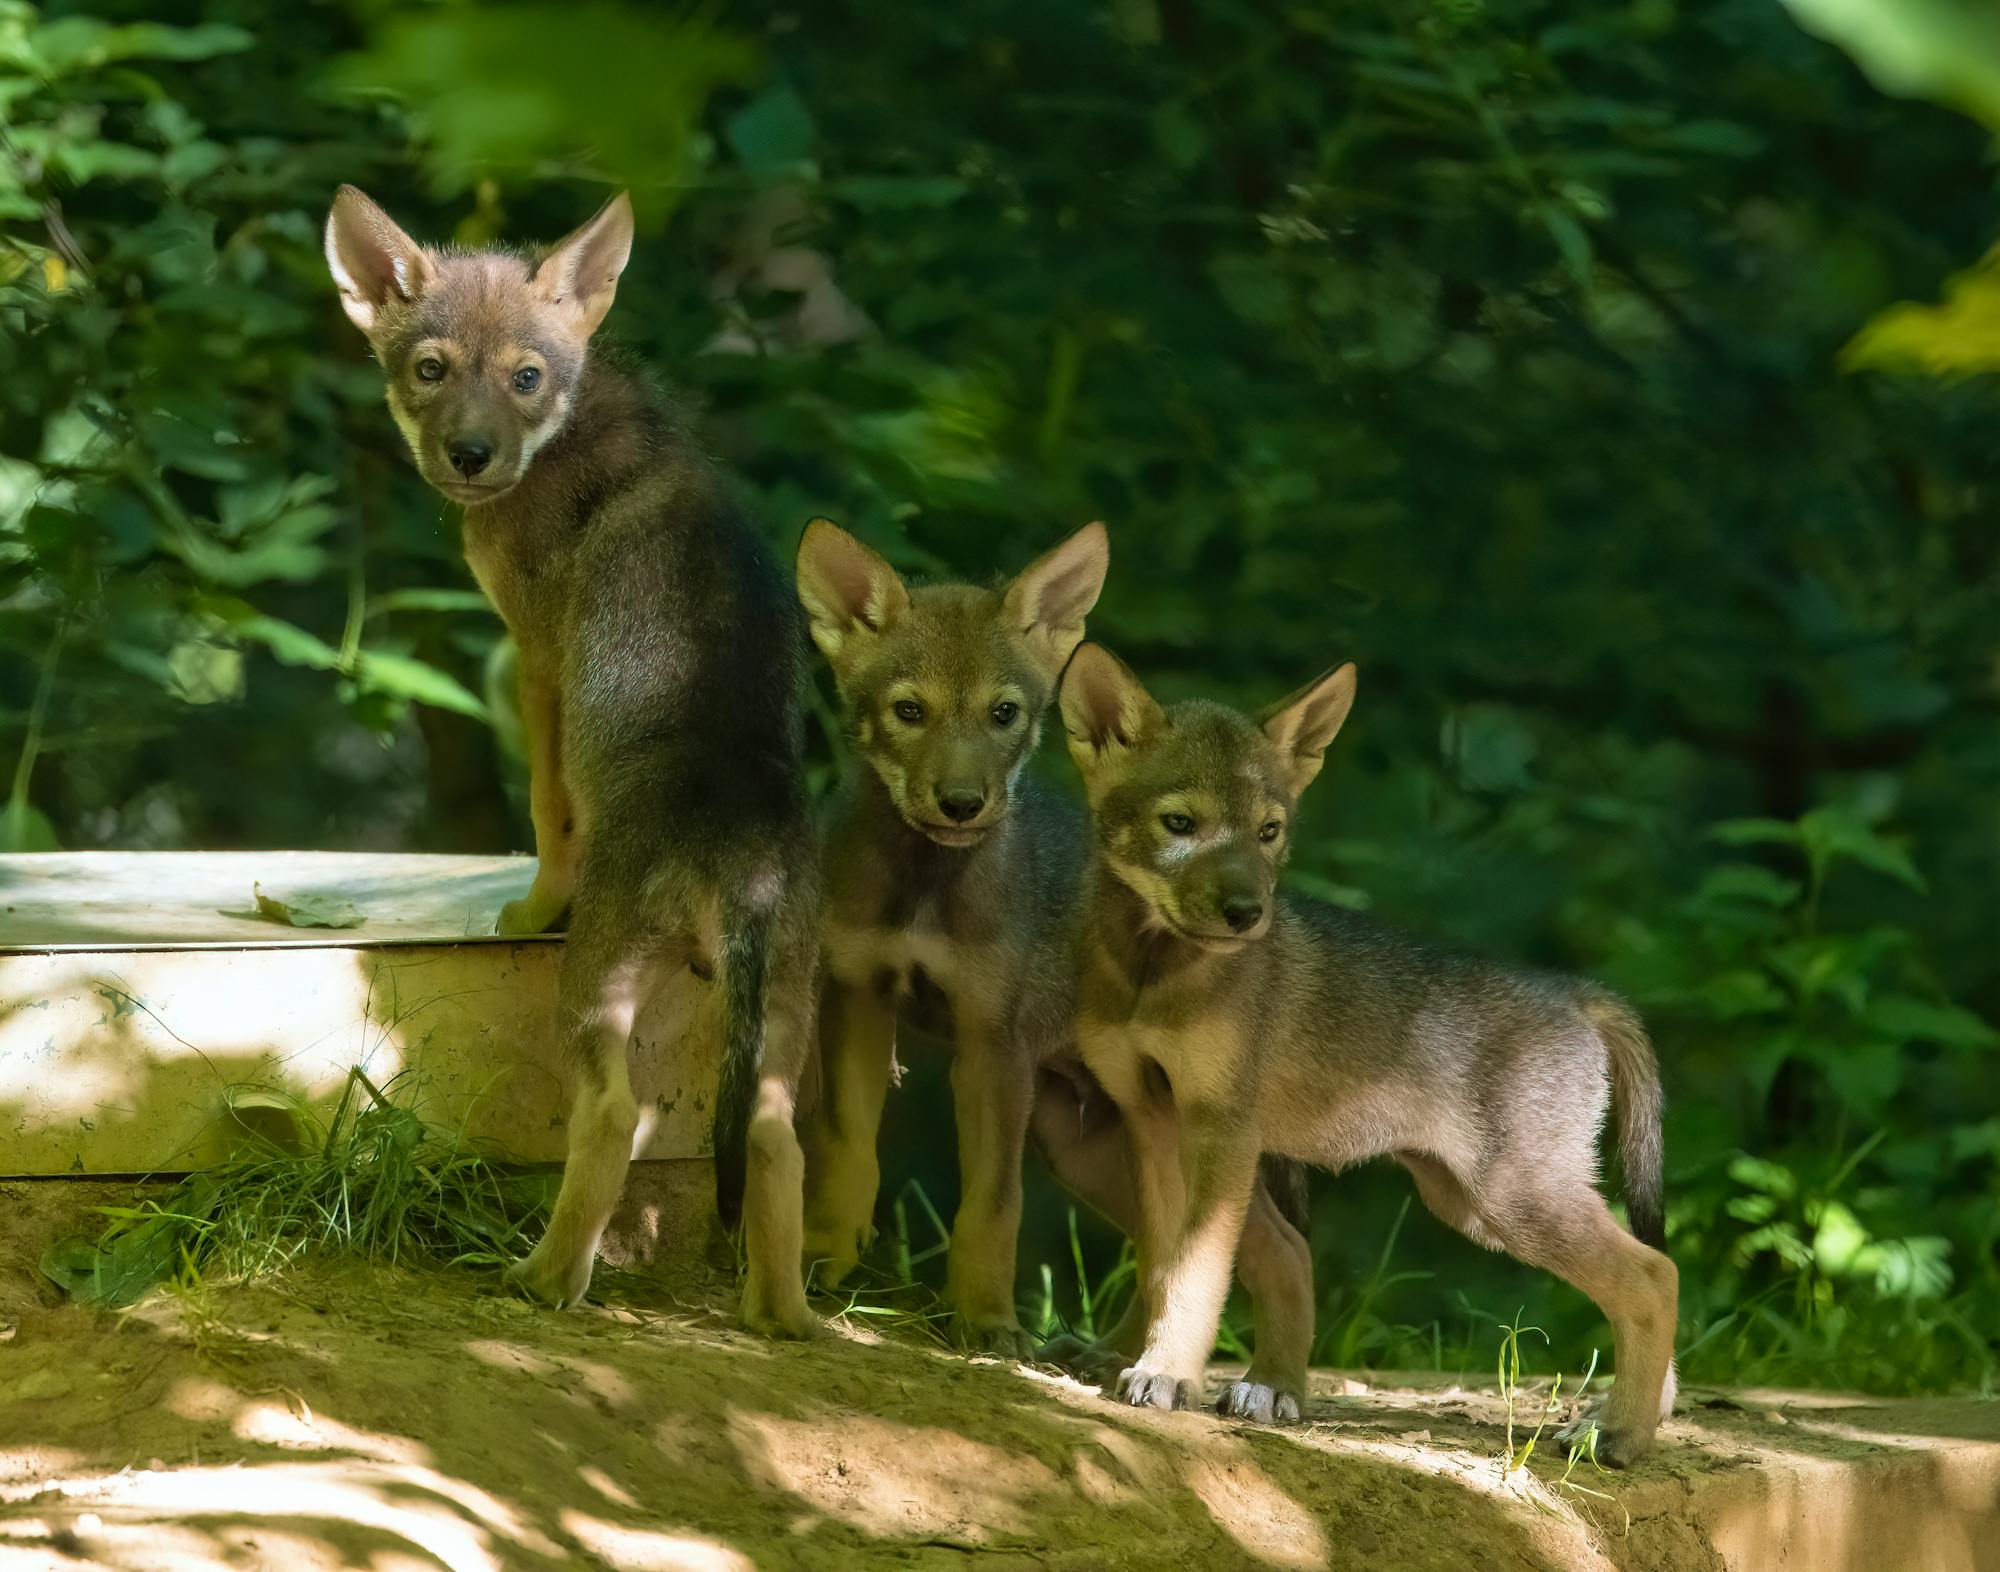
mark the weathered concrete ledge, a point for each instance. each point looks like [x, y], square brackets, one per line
[135, 992]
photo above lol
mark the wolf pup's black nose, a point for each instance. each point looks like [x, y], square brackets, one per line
[469, 455]
[1241, 912]
[959, 806]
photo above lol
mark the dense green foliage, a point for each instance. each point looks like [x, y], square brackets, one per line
[1492, 343]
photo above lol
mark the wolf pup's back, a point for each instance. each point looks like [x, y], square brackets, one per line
[661, 658]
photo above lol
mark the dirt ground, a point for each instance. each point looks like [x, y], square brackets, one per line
[362, 1417]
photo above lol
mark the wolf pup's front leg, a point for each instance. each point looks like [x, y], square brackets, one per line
[558, 837]
[1196, 1169]
[993, 1089]
[857, 1037]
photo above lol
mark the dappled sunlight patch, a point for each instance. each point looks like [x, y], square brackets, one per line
[579, 1379]
[293, 1424]
[1123, 1460]
[510, 1356]
[1252, 1510]
[649, 1550]
[607, 1487]
[202, 1400]
[399, 1504]
[604, 1382]
[85, 1539]
[34, 1462]
[896, 1481]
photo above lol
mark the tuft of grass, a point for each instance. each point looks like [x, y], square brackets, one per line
[896, 1299]
[377, 1180]
[1515, 1460]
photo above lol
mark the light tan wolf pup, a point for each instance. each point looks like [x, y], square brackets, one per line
[661, 664]
[1226, 1020]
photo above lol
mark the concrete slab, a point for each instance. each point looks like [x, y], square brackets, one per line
[131, 1002]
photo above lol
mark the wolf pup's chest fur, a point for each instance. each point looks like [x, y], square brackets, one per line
[919, 923]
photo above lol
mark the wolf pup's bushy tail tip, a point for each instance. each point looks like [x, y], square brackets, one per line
[746, 951]
[1635, 1095]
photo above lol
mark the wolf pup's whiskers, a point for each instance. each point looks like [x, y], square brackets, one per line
[661, 664]
[1227, 1020]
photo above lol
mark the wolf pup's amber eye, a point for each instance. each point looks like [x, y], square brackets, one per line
[1177, 823]
[1004, 712]
[431, 369]
[1271, 831]
[527, 379]
[909, 711]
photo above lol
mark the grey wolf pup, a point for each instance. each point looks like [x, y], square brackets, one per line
[661, 667]
[950, 883]
[1226, 1020]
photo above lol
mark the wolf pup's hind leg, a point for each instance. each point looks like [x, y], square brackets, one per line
[600, 997]
[767, 975]
[1574, 1235]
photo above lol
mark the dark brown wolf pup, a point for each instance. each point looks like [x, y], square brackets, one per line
[661, 662]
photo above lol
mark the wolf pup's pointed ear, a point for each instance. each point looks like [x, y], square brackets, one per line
[1304, 725]
[850, 593]
[1055, 592]
[373, 262]
[579, 276]
[1105, 711]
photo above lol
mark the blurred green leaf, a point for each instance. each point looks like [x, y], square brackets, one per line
[1959, 337]
[1948, 50]
[408, 678]
[773, 133]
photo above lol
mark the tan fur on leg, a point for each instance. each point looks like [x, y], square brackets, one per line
[1196, 1174]
[557, 835]
[843, 1172]
[1638, 1289]
[774, 1288]
[992, 1090]
[604, 1118]
[1275, 1264]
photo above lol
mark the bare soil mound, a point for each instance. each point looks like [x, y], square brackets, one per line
[354, 1417]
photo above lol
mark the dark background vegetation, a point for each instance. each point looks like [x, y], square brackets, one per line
[1494, 344]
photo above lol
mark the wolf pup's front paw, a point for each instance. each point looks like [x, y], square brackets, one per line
[541, 1277]
[975, 1335]
[526, 917]
[1095, 1363]
[833, 1252]
[1265, 1405]
[779, 1316]
[1143, 1388]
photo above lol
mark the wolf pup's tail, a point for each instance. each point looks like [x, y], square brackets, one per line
[1290, 1185]
[1635, 1095]
[745, 962]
